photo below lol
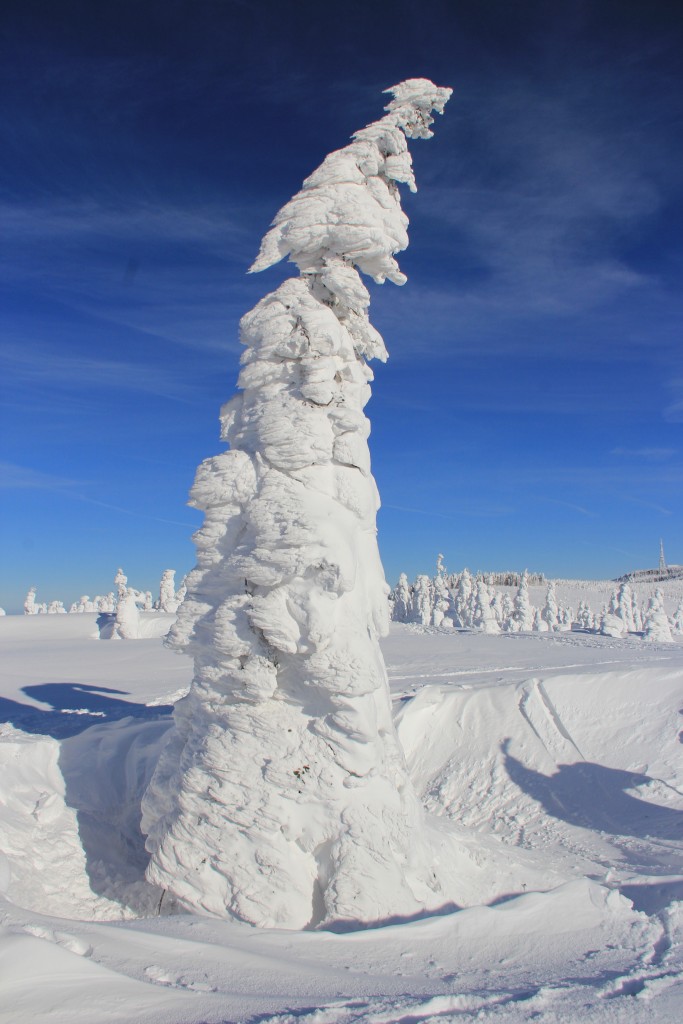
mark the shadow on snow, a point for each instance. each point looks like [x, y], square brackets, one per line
[73, 707]
[593, 796]
[107, 752]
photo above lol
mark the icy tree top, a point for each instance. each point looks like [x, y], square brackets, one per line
[348, 211]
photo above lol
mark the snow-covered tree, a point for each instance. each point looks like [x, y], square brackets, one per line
[168, 602]
[611, 624]
[483, 617]
[442, 612]
[677, 623]
[403, 602]
[462, 612]
[498, 607]
[656, 624]
[584, 616]
[623, 607]
[523, 613]
[282, 798]
[540, 625]
[127, 625]
[121, 584]
[423, 600]
[550, 612]
[30, 607]
[56, 608]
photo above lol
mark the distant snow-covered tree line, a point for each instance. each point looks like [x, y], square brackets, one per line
[464, 601]
[121, 597]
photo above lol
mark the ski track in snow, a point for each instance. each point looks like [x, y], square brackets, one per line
[555, 786]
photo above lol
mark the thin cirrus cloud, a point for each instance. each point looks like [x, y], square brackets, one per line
[176, 274]
[31, 368]
[14, 477]
[647, 454]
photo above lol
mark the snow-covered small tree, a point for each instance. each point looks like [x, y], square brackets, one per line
[540, 625]
[498, 607]
[584, 616]
[121, 584]
[550, 612]
[611, 624]
[127, 626]
[656, 624]
[677, 620]
[442, 611]
[282, 797]
[623, 607]
[462, 611]
[167, 596]
[483, 617]
[30, 607]
[403, 601]
[523, 614]
[423, 600]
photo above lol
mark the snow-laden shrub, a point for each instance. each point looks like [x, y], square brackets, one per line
[282, 796]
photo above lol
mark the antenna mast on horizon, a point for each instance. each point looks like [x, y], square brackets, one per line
[662, 560]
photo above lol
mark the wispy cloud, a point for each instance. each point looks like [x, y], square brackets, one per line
[551, 189]
[570, 505]
[674, 411]
[71, 372]
[14, 477]
[648, 454]
[19, 478]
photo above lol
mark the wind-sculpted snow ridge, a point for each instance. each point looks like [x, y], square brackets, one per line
[282, 798]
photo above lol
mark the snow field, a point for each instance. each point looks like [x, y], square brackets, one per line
[550, 766]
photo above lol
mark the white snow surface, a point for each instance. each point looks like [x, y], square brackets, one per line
[549, 766]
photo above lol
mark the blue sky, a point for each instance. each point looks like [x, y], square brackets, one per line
[530, 413]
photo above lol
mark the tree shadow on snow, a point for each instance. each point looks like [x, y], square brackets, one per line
[73, 707]
[108, 750]
[592, 796]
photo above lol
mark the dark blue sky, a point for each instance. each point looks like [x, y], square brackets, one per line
[530, 414]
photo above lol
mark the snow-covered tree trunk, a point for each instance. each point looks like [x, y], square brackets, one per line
[282, 797]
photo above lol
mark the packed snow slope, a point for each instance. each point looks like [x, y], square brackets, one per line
[551, 772]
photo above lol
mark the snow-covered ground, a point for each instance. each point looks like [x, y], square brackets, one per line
[551, 768]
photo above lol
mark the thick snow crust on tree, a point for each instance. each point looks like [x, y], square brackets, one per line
[282, 798]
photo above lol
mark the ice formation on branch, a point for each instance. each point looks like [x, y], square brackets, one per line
[282, 798]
